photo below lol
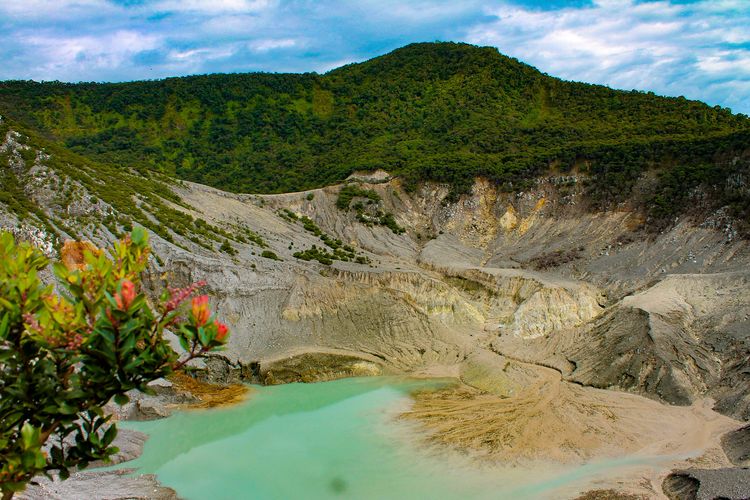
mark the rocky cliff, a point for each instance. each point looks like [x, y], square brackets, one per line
[536, 275]
[532, 299]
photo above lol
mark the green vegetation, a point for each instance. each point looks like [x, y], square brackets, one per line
[388, 221]
[378, 217]
[14, 198]
[250, 235]
[338, 250]
[143, 197]
[315, 253]
[726, 181]
[473, 287]
[288, 215]
[227, 248]
[64, 356]
[268, 254]
[343, 253]
[368, 217]
[350, 191]
[310, 226]
[444, 112]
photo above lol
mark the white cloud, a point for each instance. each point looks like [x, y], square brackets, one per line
[265, 45]
[658, 46]
[422, 11]
[326, 66]
[727, 62]
[45, 8]
[200, 54]
[76, 55]
[198, 60]
[697, 49]
[232, 24]
[213, 6]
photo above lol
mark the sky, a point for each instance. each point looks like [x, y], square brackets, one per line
[698, 49]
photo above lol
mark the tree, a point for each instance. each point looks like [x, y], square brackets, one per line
[63, 356]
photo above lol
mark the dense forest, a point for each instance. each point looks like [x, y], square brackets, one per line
[432, 111]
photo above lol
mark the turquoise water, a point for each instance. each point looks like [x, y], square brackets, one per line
[327, 440]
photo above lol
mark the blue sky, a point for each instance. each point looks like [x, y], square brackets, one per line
[699, 49]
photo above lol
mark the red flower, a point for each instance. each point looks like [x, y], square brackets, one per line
[221, 330]
[126, 296]
[200, 310]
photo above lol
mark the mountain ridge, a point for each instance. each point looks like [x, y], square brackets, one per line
[580, 260]
[445, 112]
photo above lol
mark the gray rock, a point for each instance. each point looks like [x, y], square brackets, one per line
[111, 485]
[152, 409]
[130, 444]
[318, 367]
[151, 406]
[445, 287]
[736, 445]
[708, 484]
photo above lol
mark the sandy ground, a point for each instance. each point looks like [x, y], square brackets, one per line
[210, 395]
[555, 421]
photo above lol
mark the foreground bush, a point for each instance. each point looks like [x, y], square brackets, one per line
[63, 356]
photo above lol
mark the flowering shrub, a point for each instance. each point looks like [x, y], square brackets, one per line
[64, 356]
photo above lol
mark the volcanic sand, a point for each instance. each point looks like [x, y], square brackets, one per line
[540, 417]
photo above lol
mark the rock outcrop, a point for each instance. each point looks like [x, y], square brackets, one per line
[708, 484]
[535, 275]
[736, 445]
[474, 288]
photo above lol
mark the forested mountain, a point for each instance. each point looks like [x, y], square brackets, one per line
[432, 111]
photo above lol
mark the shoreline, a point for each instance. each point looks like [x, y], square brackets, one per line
[446, 413]
[550, 420]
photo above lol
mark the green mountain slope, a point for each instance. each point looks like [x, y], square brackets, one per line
[437, 111]
[66, 195]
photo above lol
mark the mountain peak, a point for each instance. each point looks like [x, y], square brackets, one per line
[444, 112]
[437, 60]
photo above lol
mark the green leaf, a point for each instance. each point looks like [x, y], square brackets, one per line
[127, 345]
[29, 435]
[138, 361]
[28, 459]
[109, 435]
[4, 329]
[184, 343]
[138, 236]
[67, 409]
[203, 336]
[16, 487]
[110, 299]
[41, 461]
[60, 270]
[122, 399]
[138, 303]
[56, 454]
[107, 334]
[187, 331]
